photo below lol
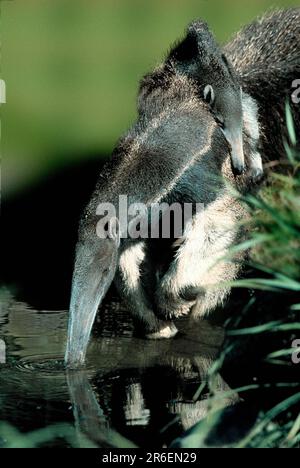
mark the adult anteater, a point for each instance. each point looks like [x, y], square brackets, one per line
[176, 152]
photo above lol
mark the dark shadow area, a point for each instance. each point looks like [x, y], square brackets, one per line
[39, 233]
[252, 348]
[143, 389]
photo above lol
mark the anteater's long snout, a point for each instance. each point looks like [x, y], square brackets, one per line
[235, 139]
[94, 271]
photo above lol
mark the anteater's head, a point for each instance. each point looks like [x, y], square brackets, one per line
[199, 57]
[94, 269]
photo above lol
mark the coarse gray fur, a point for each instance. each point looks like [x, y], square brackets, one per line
[176, 152]
[199, 56]
[266, 55]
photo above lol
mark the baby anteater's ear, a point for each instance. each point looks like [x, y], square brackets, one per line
[198, 53]
[206, 43]
[209, 95]
[198, 43]
[185, 51]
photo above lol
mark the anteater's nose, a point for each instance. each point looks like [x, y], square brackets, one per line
[237, 152]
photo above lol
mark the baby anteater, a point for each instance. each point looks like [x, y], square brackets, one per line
[200, 56]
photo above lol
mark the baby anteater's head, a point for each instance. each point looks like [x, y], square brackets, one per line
[200, 57]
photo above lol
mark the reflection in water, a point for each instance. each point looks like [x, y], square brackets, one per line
[132, 388]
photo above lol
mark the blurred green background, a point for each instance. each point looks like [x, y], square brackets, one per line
[72, 68]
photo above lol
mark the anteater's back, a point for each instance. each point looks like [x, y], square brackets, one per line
[268, 41]
[266, 55]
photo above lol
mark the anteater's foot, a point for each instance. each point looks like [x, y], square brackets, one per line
[166, 330]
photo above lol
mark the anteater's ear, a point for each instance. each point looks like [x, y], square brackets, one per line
[206, 42]
[185, 51]
[198, 44]
[209, 94]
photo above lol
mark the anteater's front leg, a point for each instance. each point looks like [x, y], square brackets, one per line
[131, 288]
[196, 279]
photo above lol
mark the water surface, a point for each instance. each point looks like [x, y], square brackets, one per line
[131, 389]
